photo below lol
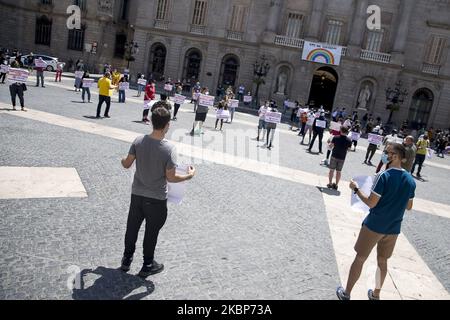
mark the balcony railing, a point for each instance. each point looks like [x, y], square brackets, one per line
[375, 56]
[162, 24]
[289, 42]
[196, 29]
[431, 68]
[235, 35]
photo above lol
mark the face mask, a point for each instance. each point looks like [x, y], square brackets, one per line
[385, 158]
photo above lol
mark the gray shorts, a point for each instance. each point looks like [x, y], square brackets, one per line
[262, 124]
[336, 164]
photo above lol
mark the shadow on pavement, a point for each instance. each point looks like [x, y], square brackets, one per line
[113, 284]
[92, 117]
[329, 192]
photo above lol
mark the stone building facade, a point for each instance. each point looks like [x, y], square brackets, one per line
[40, 26]
[219, 41]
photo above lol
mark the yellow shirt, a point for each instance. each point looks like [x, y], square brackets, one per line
[104, 85]
[422, 146]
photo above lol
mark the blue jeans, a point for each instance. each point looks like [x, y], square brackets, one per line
[122, 96]
[140, 89]
[84, 90]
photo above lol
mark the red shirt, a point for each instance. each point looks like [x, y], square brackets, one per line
[150, 92]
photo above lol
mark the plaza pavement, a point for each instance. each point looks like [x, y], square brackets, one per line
[248, 229]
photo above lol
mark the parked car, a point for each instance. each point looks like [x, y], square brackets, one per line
[51, 61]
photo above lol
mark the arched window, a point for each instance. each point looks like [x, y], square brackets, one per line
[192, 64]
[43, 33]
[419, 112]
[229, 70]
[157, 64]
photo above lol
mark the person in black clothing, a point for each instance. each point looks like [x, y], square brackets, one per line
[17, 89]
[340, 144]
[357, 129]
[318, 131]
[271, 127]
[294, 115]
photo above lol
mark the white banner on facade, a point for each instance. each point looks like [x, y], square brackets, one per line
[322, 53]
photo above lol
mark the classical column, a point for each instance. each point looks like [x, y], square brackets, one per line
[274, 18]
[316, 19]
[406, 8]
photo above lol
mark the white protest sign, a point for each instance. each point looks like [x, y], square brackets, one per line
[168, 87]
[222, 114]
[124, 86]
[365, 184]
[233, 104]
[375, 139]
[195, 96]
[206, 101]
[142, 82]
[355, 136]
[149, 104]
[40, 64]
[335, 126]
[176, 190]
[248, 99]
[291, 105]
[273, 117]
[321, 124]
[88, 83]
[18, 75]
[4, 68]
[429, 153]
[79, 74]
[179, 99]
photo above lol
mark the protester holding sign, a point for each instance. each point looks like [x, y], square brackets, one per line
[150, 92]
[340, 145]
[18, 89]
[318, 128]
[272, 118]
[179, 100]
[262, 122]
[374, 141]
[141, 84]
[335, 130]
[222, 113]
[59, 71]
[392, 193]
[123, 86]
[4, 69]
[156, 165]
[86, 84]
[40, 66]
[355, 134]
[308, 127]
[205, 101]
[78, 77]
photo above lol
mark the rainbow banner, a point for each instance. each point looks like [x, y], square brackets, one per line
[322, 53]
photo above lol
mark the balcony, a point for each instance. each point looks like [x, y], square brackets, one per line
[161, 24]
[289, 42]
[235, 35]
[344, 51]
[196, 29]
[431, 69]
[375, 56]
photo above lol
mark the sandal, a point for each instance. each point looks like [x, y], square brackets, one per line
[340, 292]
[371, 296]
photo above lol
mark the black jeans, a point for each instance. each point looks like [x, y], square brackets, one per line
[177, 107]
[16, 90]
[2, 77]
[320, 134]
[371, 149]
[154, 212]
[102, 99]
[420, 159]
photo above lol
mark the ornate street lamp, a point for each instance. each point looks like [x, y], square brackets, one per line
[131, 49]
[260, 71]
[395, 98]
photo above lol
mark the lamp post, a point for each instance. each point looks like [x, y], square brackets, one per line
[131, 48]
[395, 98]
[260, 71]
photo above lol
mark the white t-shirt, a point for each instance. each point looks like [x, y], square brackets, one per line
[262, 112]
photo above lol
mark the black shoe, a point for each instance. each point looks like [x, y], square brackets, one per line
[148, 270]
[335, 186]
[330, 186]
[107, 116]
[418, 175]
[97, 117]
[126, 263]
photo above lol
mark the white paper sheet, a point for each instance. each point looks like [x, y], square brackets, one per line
[365, 184]
[176, 190]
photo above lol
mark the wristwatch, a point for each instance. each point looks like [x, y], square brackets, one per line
[356, 190]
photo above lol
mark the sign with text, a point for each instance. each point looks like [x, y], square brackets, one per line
[168, 87]
[355, 136]
[222, 114]
[79, 74]
[248, 99]
[40, 64]
[233, 104]
[273, 117]
[88, 83]
[18, 75]
[335, 126]
[375, 139]
[321, 124]
[142, 82]
[179, 99]
[4, 68]
[206, 101]
[322, 53]
[124, 86]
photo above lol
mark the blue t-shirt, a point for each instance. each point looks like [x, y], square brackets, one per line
[395, 187]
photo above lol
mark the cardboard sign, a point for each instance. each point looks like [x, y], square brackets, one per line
[273, 117]
[40, 64]
[18, 75]
[233, 104]
[321, 124]
[179, 99]
[375, 139]
[355, 136]
[142, 82]
[168, 87]
[335, 126]
[124, 85]
[88, 83]
[4, 68]
[222, 114]
[206, 101]
[248, 99]
[79, 74]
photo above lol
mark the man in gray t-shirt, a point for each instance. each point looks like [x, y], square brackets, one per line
[155, 166]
